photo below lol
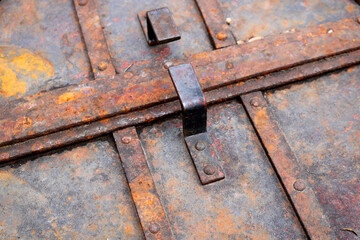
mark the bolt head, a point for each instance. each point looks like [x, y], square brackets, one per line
[221, 36]
[82, 2]
[200, 145]
[126, 140]
[299, 185]
[102, 66]
[154, 228]
[254, 103]
[209, 170]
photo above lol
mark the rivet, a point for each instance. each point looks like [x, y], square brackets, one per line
[102, 66]
[299, 185]
[330, 31]
[126, 140]
[358, 20]
[229, 65]
[82, 2]
[221, 36]
[209, 170]
[254, 103]
[200, 145]
[228, 21]
[154, 228]
[167, 65]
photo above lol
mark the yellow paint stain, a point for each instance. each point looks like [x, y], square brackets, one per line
[350, 8]
[68, 97]
[19, 68]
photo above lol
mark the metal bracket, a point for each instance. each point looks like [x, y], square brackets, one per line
[199, 144]
[158, 26]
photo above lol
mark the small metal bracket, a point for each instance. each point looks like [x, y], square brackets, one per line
[199, 144]
[158, 26]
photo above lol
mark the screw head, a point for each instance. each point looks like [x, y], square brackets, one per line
[299, 185]
[102, 66]
[254, 103]
[209, 170]
[154, 228]
[221, 36]
[167, 65]
[200, 145]
[229, 65]
[126, 140]
[82, 2]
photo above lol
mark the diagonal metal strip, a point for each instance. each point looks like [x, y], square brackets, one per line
[39, 115]
[283, 159]
[94, 129]
[94, 39]
[152, 216]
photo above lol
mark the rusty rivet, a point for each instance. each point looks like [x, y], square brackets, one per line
[229, 65]
[167, 65]
[209, 170]
[102, 66]
[200, 145]
[221, 36]
[82, 2]
[126, 140]
[299, 185]
[154, 228]
[254, 103]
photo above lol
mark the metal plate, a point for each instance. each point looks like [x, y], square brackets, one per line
[320, 120]
[79, 192]
[248, 204]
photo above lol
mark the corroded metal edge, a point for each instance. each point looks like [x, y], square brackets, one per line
[290, 173]
[219, 32]
[94, 129]
[94, 38]
[76, 105]
[150, 211]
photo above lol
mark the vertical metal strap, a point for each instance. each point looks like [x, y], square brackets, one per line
[300, 192]
[150, 211]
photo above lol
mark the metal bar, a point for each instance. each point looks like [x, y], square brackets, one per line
[214, 19]
[75, 105]
[152, 216]
[284, 161]
[191, 98]
[94, 129]
[94, 38]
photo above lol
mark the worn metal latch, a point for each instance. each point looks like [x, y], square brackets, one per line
[194, 115]
[158, 26]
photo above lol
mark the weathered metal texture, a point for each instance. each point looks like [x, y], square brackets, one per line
[252, 19]
[191, 98]
[158, 26]
[94, 38]
[285, 163]
[126, 41]
[76, 193]
[40, 48]
[219, 32]
[320, 120]
[152, 216]
[248, 204]
[93, 100]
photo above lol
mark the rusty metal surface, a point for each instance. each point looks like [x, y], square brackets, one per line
[214, 19]
[76, 193]
[126, 38]
[94, 100]
[41, 48]
[285, 163]
[97, 128]
[252, 19]
[323, 132]
[94, 38]
[248, 204]
[152, 216]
